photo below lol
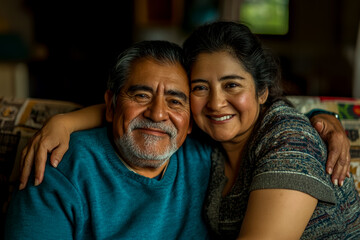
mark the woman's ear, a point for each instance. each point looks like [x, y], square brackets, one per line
[263, 97]
[109, 105]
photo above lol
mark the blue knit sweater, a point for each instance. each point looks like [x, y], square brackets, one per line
[92, 195]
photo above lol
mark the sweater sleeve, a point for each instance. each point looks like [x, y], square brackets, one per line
[292, 156]
[49, 211]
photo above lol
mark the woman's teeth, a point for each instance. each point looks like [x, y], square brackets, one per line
[221, 118]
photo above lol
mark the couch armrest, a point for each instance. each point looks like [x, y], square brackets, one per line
[19, 120]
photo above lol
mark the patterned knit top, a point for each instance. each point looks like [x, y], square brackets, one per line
[284, 152]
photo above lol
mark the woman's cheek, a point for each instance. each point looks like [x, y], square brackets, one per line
[197, 105]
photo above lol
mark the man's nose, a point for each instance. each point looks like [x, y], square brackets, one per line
[157, 110]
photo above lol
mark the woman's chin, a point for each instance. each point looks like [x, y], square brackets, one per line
[222, 138]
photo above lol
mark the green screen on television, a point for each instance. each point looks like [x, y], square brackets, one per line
[266, 16]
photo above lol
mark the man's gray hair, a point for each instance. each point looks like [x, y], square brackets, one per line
[163, 52]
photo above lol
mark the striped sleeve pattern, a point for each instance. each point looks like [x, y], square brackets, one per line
[291, 155]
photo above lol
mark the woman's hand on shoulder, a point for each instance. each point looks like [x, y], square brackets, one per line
[338, 145]
[52, 138]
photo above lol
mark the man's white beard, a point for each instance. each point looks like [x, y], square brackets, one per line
[147, 155]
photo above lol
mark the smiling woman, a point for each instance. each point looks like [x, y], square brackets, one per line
[266, 173]
[218, 80]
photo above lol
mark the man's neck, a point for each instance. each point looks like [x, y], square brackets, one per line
[146, 172]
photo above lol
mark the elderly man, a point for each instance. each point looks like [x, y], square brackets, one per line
[119, 182]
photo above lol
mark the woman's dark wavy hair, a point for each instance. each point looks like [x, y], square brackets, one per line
[240, 42]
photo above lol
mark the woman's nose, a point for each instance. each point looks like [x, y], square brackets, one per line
[216, 100]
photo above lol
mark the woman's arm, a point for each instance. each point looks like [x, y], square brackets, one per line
[54, 138]
[277, 214]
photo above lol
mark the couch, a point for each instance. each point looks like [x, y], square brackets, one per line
[21, 118]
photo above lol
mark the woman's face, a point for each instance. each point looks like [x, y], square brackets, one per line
[223, 98]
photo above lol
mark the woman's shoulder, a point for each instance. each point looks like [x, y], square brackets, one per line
[282, 120]
[283, 126]
[280, 111]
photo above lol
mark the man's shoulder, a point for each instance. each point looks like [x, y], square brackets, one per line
[194, 152]
[89, 135]
[92, 138]
[88, 144]
[194, 144]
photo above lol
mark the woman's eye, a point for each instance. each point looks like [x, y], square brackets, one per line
[231, 85]
[198, 88]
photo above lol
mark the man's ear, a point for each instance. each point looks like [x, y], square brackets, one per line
[109, 105]
[263, 97]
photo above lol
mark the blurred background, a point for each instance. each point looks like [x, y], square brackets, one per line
[63, 49]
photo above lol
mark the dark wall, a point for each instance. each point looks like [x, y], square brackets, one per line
[82, 38]
[317, 54]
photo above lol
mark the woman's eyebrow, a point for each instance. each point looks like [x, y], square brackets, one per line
[198, 81]
[228, 77]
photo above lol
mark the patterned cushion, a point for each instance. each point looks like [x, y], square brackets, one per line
[19, 120]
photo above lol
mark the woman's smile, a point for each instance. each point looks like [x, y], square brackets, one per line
[220, 118]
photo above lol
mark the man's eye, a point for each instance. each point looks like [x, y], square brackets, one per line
[141, 97]
[175, 102]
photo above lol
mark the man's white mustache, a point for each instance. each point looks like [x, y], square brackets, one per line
[144, 123]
